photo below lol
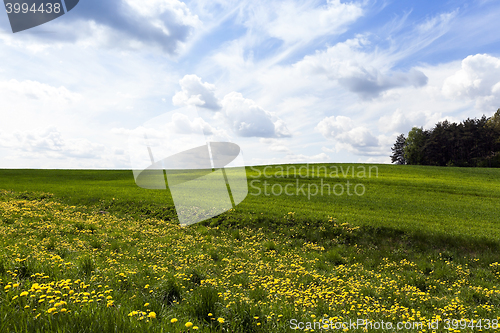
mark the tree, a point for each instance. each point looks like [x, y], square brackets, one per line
[398, 151]
[495, 120]
[415, 143]
[438, 148]
[494, 125]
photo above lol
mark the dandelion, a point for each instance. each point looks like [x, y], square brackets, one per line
[146, 304]
[152, 315]
[220, 320]
[189, 324]
[24, 293]
[173, 320]
[195, 327]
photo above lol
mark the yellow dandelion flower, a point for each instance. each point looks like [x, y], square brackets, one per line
[188, 324]
[173, 320]
[220, 320]
[152, 315]
[146, 304]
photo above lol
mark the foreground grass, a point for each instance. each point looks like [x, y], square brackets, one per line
[78, 268]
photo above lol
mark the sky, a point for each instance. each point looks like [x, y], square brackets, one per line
[287, 81]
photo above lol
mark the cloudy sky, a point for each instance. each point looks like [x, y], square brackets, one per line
[288, 81]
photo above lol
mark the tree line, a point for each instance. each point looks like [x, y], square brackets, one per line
[471, 143]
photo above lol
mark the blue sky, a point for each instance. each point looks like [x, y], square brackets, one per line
[288, 81]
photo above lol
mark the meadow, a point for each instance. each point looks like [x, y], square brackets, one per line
[89, 251]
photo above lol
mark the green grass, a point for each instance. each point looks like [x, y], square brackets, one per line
[419, 239]
[452, 201]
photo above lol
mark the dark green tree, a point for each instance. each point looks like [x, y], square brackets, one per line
[438, 149]
[398, 150]
[415, 143]
[473, 142]
[495, 121]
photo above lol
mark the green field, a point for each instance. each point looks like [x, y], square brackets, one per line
[89, 251]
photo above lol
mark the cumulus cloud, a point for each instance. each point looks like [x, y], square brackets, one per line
[247, 119]
[182, 124]
[478, 79]
[244, 116]
[34, 90]
[403, 122]
[359, 72]
[166, 24]
[341, 130]
[49, 142]
[195, 92]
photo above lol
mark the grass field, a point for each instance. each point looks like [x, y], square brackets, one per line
[89, 251]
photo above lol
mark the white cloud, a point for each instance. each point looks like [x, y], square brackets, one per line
[247, 119]
[16, 90]
[342, 131]
[49, 142]
[478, 79]
[295, 21]
[195, 92]
[403, 122]
[181, 124]
[276, 145]
[366, 74]
[244, 116]
[332, 127]
[125, 24]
